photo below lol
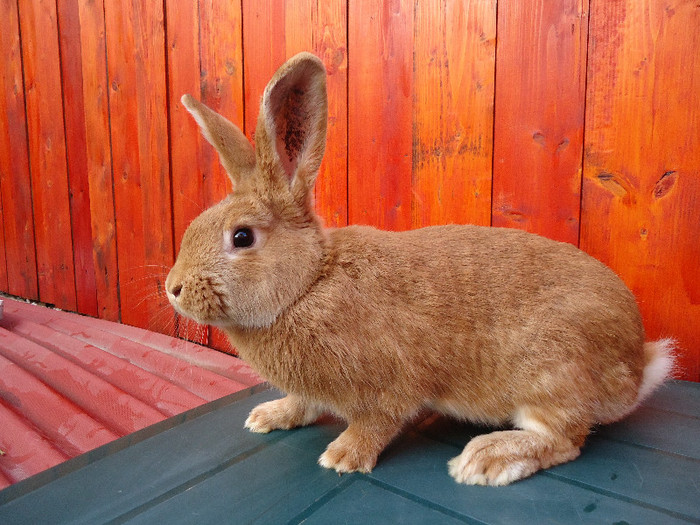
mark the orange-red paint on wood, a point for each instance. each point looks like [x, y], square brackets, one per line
[139, 136]
[47, 153]
[321, 27]
[204, 59]
[15, 182]
[98, 161]
[265, 50]
[3, 256]
[641, 193]
[380, 113]
[76, 151]
[330, 43]
[454, 69]
[539, 114]
[221, 51]
[186, 154]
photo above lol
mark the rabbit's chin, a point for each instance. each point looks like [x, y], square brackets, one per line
[230, 320]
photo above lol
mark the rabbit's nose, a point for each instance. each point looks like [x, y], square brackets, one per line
[175, 290]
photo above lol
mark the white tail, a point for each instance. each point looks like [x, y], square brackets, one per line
[660, 364]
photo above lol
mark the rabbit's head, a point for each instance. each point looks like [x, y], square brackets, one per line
[246, 259]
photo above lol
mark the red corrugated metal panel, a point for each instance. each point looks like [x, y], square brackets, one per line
[64, 423]
[98, 398]
[70, 383]
[195, 354]
[168, 398]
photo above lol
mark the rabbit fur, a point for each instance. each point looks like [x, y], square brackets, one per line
[491, 325]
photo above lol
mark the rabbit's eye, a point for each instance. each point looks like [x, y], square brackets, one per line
[243, 238]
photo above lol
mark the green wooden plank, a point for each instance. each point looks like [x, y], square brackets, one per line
[682, 397]
[637, 474]
[365, 502]
[271, 486]
[418, 465]
[658, 429]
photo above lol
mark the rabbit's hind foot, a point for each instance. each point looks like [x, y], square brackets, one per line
[502, 457]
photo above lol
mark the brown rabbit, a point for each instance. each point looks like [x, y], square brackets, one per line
[484, 324]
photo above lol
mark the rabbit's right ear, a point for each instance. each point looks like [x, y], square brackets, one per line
[236, 153]
[290, 137]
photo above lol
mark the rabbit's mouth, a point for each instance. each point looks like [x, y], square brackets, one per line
[196, 298]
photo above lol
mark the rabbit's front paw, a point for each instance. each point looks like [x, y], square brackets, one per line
[500, 458]
[343, 456]
[285, 413]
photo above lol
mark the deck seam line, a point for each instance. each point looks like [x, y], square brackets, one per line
[424, 502]
[321, 501]
[193, 481]
[621, 497]
[649, 447]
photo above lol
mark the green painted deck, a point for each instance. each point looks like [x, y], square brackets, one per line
[203, 467]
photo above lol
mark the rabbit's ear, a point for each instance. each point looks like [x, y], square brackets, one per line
[236, 153]
[291, 133]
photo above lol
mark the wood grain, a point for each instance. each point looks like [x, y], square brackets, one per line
[321, 27]
[539, 116]
[138, 111]
[47, 153]
[380, 113]
[98, 159]
[76, 155]
[265, 50]
[15, 183]
[455, 59]
[641, 193]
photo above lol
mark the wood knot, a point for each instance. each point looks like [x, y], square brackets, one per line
[664, 184]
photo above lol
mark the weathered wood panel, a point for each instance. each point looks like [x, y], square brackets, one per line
[139, 138]
[641, 198]
[320, 26]
[15, 187]
[454, 68]
[98, 152]
[47, 153]
[76, 155]
[540, 94]
[380, 113]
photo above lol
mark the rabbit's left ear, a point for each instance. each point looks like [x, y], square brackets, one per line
[290, 137]
[235, 152]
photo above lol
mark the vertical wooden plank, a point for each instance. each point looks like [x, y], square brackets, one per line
[454, 69]
[320, 26]
[265, 50]
[186, 152]
[540, 84]
[330, 43]
[15, 182]
[139, 135]
[221, 49]
[380, 113]
[641, 193]
[47, 153]
[98, 157]
[76, 150]
[3, 255]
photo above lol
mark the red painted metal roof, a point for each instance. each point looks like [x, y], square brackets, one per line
[70, 383]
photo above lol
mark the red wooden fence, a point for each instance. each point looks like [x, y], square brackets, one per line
[577, 119]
